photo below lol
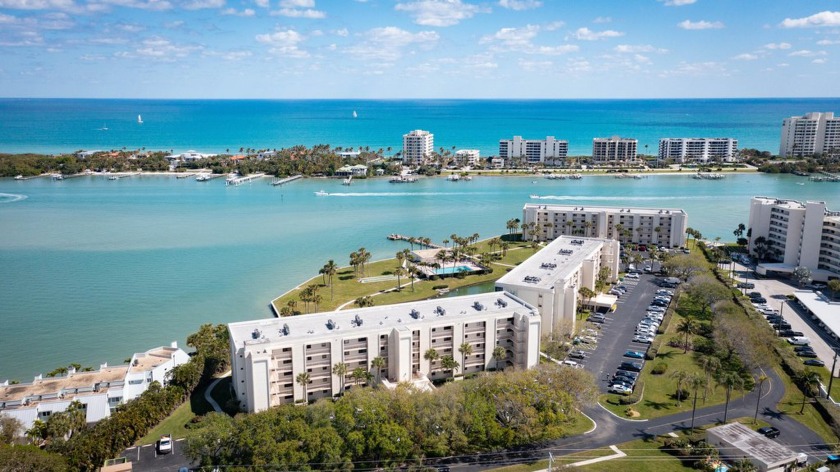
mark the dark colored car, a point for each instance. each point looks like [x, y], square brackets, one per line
[755, 295]
[627, 373]
[815, 363]
[746, 285]
[789, 333]
[803, 348]
[632, 366]
[810, 354]
[635, 354]
[769, 431]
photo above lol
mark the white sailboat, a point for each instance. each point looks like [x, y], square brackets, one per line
[355, 115]
[139, 120]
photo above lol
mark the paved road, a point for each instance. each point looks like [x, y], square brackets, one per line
[146, 458]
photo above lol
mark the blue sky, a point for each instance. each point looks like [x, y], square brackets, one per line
[419, 48]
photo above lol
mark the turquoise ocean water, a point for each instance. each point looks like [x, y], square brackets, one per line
[92, 270]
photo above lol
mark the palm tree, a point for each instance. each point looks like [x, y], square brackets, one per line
[695, 382]
[364, 258]
[431, 355]
[512, 225]
[399, 272]
[499, 353]
[340, 370]
[689, 327]
[619, 230]
[729, 380]
[759, 379]
[329, 270]
[809, 382]
[359, 374]
[710, 365]
[378, 363]
[586, 294]
[303, 379]
[449, 363]
[681, 377]
[465, 349]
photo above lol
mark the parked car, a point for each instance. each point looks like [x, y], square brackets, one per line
[746, 285]
[810, 354]
[596, 319]
[769, 431]
[641, 338]
[799, 340]
[632, 275]
[633, 376]
[632, 366]
[814, 363]
[635, 354]
[620, 389]
[787, 333]
[577, 354]
[165, 444]
[669, 293]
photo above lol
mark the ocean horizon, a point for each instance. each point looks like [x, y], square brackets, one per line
[64, 125]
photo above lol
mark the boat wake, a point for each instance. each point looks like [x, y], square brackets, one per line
[623, 198]
[396, 194]
[11, 197]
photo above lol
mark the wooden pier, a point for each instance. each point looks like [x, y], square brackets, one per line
[237, 181]
[411, 239]
[277, 182]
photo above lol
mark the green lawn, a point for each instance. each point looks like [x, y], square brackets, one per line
[176, 423]
[347, 288]
[791, 404]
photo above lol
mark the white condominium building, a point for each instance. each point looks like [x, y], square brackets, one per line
[100, 391]
[657, 226]
[791, 234]
[682, 150]
[418, 147]
[551, 278]
[390, 342]
[548, 150]
[467, 157]
[613, 150]
[814, 133]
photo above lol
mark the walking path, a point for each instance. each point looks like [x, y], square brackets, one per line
[209, 390]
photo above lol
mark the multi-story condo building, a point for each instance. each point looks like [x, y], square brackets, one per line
[100, 391]
[791, 234]
[547, 151]
[467, 157]
[614, 150]
[551, 278]
[657, 226]
[683, 150]
[418, 147]
[814, 133]
[390, 341]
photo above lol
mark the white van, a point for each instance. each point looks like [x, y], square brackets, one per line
[799, 340]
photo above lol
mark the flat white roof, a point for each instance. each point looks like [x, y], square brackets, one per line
[374, 319]
[752, 443]
[557, 261]
[605, 209]
[822, 307]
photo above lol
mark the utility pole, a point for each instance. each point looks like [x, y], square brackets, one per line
[550, 462]
[831, 374]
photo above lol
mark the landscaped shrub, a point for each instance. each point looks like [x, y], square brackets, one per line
[659, 368]
[634, 397]
[439, 287]
[653, 350]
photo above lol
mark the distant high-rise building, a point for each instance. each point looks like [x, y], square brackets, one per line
[548, 150]
[613, 150]
[814, 133]
[682, 150]
[418, 147]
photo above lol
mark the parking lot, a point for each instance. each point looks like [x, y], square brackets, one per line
[615, 335]
[147, 459]
[775, 291]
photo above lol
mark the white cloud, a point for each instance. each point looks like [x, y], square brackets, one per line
[283, 43]
[828, 42]
[602, 20]
[38, 4]
[585, 34]
[521, 40]
[697, 69]
[261, 3]
[388, 43]
[519, 5]
[777, 46]
[641, 59]
[535, 66]
[7, 19]
[299, 9]
[678, 3]
[438, 12]
[555, 25]
[160, 49]
[807, 53]
[203, 4]
[819, 61]
[700, 25]
[229, 55]
[630, 48]
[823, 18]
[343, 32]
[745, 57]
[233, 12]
[155, 5]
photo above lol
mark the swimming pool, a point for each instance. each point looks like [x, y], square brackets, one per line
[452, 270]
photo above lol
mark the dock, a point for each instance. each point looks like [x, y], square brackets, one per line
[825, 177]
[237, 181]
[184, 176]
[412, 239]
[286, 180]
[708, 176]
